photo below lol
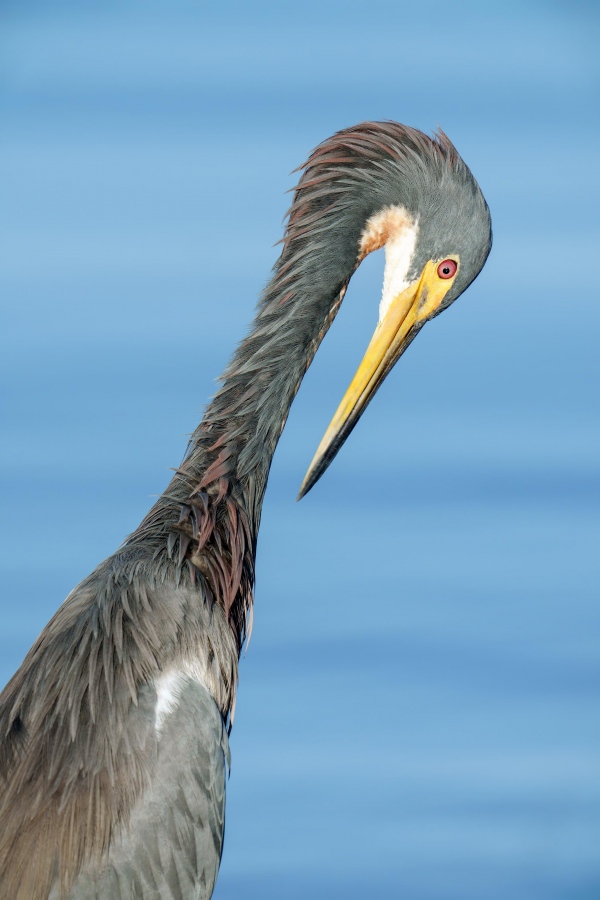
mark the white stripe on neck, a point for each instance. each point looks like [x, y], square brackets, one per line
[395, 229]
[399, 252]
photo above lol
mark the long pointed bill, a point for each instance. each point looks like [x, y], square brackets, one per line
[403, 320]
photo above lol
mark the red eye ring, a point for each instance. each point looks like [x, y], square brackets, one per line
[447, 269]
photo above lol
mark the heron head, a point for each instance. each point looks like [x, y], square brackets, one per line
[436, 232]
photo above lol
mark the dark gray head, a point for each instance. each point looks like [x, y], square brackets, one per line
[453, 218]
[382, 184]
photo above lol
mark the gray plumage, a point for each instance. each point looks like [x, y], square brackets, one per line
[174, 841]
[95, 801]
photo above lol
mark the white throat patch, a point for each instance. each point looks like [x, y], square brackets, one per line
[399, 252]
[396, 230]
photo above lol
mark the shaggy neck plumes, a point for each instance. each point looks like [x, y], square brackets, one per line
[240, 430]
[206, 523]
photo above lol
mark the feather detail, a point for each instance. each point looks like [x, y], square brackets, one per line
[184, 542]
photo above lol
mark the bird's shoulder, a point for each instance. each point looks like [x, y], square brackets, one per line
[78, 739]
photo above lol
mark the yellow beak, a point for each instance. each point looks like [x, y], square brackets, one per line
[403, 320]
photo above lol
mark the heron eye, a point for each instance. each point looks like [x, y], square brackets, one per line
[447, 269]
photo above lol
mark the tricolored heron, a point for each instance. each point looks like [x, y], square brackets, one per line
[114, 731]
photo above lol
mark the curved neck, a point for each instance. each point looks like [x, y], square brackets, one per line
[209, 515]
[242, 425]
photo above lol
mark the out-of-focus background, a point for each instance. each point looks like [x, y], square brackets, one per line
[419, 710]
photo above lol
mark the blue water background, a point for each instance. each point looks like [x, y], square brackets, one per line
[419, 708]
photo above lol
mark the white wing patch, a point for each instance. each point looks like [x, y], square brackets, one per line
[170, 684]
[168, 688]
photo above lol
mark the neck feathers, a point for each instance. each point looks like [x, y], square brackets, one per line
[206, 523]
